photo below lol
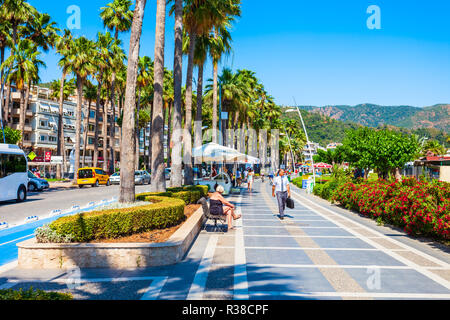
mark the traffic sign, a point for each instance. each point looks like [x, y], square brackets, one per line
[32, 155]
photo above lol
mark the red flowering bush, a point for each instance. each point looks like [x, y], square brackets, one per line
[421, 208]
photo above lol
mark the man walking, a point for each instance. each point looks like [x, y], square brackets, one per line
[282, 189]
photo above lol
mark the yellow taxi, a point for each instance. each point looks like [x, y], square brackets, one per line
[92, 176]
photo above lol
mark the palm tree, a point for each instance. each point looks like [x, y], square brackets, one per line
[117, 17]
[42, 31]
[16, 12]
[64, 45]
[433, 146]
[127, 187]
[157, 136]
[144, 80]
[90, 94]
[102, 58]
[228, 10]
[24, 65]
[82, 66]
[199, 18]
[176, 178]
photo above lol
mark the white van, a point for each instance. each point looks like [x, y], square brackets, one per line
[13, 173]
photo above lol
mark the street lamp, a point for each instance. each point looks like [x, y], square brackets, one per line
[307, 139]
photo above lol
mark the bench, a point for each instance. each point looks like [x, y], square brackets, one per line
[209, 216]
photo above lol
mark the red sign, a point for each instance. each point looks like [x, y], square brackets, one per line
[48, 156]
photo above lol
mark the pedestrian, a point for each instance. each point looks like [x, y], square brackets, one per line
[251, 177]
[282, 190]
[245, 174]
[271, 176]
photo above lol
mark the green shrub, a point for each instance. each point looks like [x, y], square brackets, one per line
[189, 194]
[111, 224]
[31, 294]
[318, 190]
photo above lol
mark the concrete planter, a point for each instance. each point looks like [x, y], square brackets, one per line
[33, 255]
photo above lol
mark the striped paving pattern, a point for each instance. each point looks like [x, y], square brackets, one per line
[315, 253]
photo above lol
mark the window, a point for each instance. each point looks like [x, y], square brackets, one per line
[43, 138]
[92, 114]
[97, 171]
[52, 139]
[90, 140]
[85, 174]
[12, 163]
[43, 123]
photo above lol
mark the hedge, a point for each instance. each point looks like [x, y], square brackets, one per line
[111, 224]
[31, 294]
[189, 194]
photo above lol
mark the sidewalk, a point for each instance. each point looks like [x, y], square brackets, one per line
[317, 252]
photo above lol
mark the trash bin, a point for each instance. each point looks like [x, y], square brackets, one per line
[305, 184]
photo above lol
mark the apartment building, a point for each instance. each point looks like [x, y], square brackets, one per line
[41, 129]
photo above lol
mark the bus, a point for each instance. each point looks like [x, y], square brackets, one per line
[13, 173]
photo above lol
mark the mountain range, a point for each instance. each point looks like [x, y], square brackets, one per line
[372, 115]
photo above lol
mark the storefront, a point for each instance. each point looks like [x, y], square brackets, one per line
[433, 168]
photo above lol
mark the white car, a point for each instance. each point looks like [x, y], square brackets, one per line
[140, 177]
[13, 173]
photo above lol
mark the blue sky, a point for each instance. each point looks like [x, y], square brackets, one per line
[320, 52]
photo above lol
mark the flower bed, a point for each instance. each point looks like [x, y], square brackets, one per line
[421, 208]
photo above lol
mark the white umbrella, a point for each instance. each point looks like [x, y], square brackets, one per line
[213, 152]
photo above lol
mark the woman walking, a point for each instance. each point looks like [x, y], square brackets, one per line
[250, 179]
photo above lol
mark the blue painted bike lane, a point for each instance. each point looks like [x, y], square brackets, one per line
[9, 238]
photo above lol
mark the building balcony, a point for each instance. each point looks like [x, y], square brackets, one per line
[27, 127]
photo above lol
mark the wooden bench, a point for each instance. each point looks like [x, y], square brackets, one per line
[209, 216]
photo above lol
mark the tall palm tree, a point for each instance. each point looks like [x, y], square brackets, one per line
[228, 11]
[127, 187]
[41, 30]
[90, 95]
[144, 80]
[82, 66]
[157, 137]
[25, 70]
[16, 12]
[64, 45]
[199, 18]
[176, 178]
[117, 17]
[102, 58]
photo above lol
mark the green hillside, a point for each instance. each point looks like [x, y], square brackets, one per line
[372, 115]
[324, 129]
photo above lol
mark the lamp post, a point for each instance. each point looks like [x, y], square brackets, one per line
[307, 139]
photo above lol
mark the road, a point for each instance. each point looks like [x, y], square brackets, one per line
[42, 203]
[318, 252]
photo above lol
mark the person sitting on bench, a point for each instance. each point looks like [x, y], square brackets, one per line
[220, 206]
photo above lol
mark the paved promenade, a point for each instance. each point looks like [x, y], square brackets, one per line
[317, 252]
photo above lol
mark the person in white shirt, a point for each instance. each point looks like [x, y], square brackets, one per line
[282, 190]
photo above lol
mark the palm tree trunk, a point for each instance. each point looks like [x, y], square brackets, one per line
[105, 135]
[169, 134]
[127, 154]
[112, 166]
[138, 131]
[61, 144]
[78, 126]
[157, 138]
[214, 115]
[187, 137]
[150, 138]
[97, 121]
[176, 178]
[7, 103]
[22, 116]
[198, 116]
[86, 130]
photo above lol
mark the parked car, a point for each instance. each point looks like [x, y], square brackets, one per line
[92, 176]
[35, 183]
[142, 177]
[115, 178]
